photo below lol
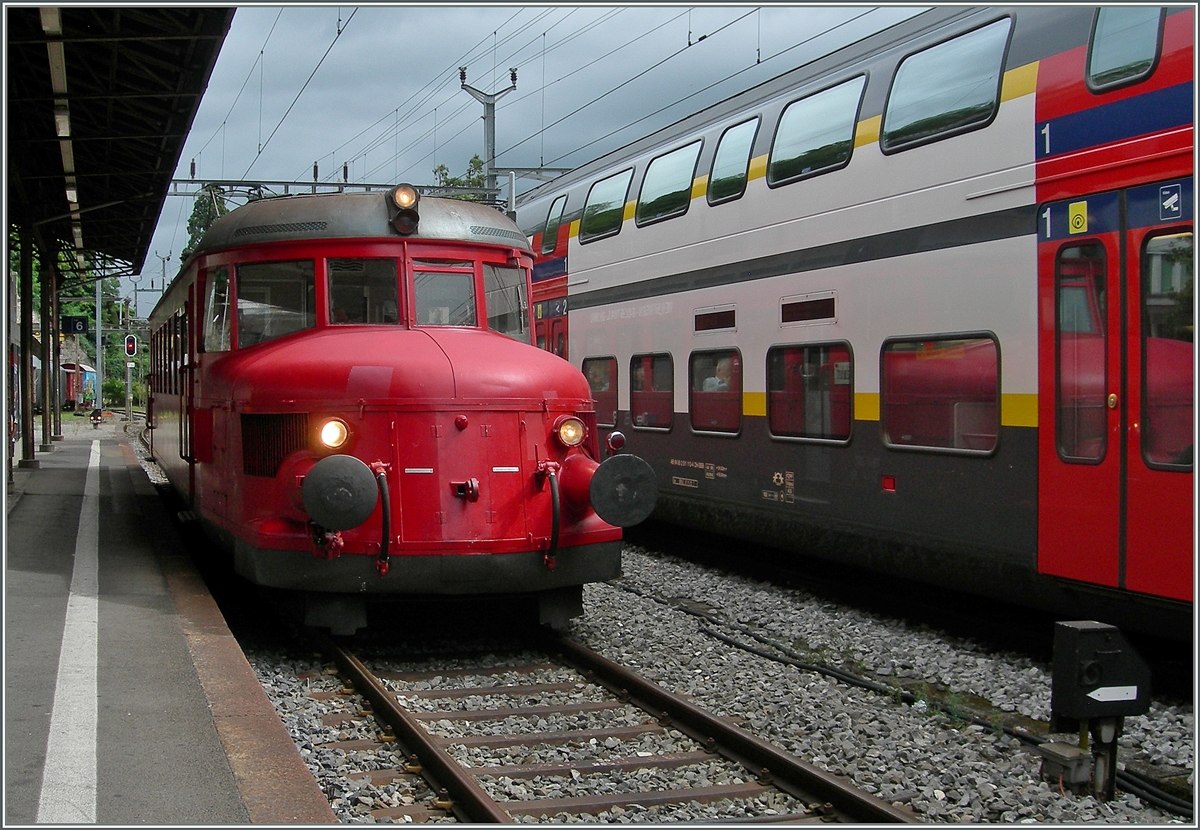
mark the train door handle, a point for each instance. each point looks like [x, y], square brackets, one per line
[468, 489]
[1112, 401]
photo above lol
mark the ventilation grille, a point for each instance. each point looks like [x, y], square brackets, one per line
[290, 227]
[268, 439]
[482, 230]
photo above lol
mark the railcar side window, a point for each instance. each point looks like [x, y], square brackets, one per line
[506, 301]
[816, 134]
[553, 221]
[667, 188]
[1169, 350]
[731, 163]
[1125, 45]
[444, 297]
[715, 390]
[652, 391]
[601, 373]
[362, 291]
[605, 207]
[1081, 354]
[216, 311]
[274, 299]
[946, 89]
[810, 391]
[941, 393]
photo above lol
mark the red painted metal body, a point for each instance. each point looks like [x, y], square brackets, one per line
[458, 419]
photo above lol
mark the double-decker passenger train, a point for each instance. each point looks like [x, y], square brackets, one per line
[924, 305]
[344, 389]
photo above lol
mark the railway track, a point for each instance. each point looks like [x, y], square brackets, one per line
[606, 741]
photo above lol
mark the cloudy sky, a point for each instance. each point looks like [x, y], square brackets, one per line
[376, 88]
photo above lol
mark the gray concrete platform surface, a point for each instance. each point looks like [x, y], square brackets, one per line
[127, 701]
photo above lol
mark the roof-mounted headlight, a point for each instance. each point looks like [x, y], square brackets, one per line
[405, 200]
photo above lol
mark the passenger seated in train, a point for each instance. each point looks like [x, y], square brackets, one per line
[720, 381]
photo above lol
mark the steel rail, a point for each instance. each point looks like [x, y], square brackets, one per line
[470, 803]
[785, 771]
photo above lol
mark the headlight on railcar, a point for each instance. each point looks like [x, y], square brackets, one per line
[334, 433]
[570, 431]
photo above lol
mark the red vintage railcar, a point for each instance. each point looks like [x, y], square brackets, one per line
[343, 388]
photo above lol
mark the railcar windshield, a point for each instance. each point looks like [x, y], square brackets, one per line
[363, 291]
[506, 302]
[274, 299]
[444, 293]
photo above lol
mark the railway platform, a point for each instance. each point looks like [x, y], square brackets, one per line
[127, 700]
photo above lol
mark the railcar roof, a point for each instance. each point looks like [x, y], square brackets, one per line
[356, 216]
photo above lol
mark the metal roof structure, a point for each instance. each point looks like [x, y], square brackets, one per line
[99, 103]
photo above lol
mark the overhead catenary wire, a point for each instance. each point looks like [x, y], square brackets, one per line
[263, 146]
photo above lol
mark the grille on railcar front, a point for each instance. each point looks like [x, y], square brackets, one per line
[268, 439]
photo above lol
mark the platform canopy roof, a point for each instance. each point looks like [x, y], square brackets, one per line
[99, 102]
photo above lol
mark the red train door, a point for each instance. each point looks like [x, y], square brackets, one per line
[1115, 389]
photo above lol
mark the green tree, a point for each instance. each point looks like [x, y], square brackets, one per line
[474, 177]
[210, 205]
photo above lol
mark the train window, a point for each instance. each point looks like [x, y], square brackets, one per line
[274, 299]
[941, 393]
[605, 207]
[810, 391]
[946, 89]
[362, 291]
[816, 134]
[1125, 45]
[216, 311]
[444, 298]
[652, 391]
[553, 221]
[1080, 352]
[731, 163]
[601, 374]
[1168, 351]
[506, 302]
[715, 391]
[667, 187]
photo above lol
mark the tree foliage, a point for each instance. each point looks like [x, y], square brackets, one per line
[210, 205]
[474, 177]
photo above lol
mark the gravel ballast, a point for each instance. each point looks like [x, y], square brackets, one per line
[946, 769]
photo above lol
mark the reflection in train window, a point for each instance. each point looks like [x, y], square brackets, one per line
[816, 134]
[715, 390]
[216, 311]
[553, 221]
[506, 301]
[362, 291]
[652, 391]
[946, 89]
[810, 391]
[667, 187]
[941, 393]
[1080, 354]
[605, 207]
[731, 164]
[1125, 45]
[1169, 351]
[601, 374]
[274, 299]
